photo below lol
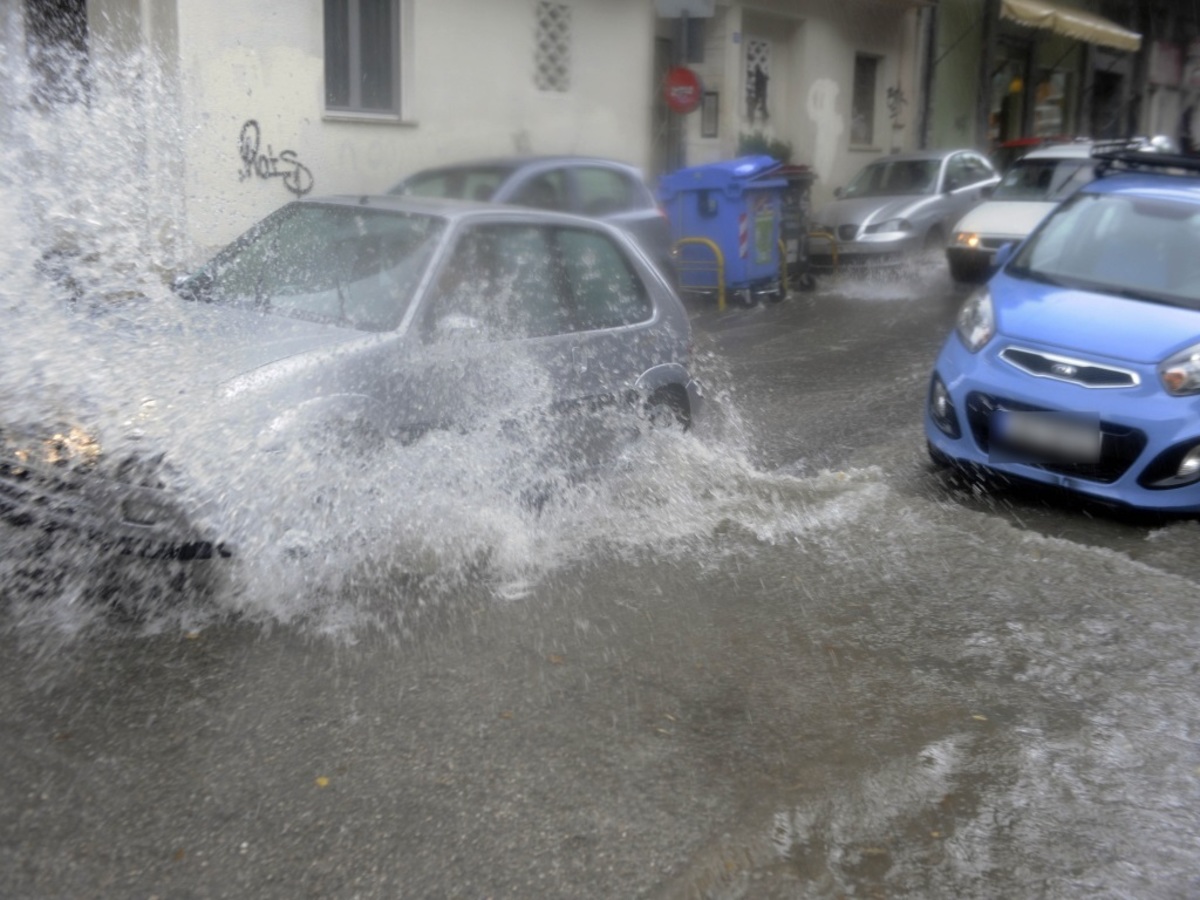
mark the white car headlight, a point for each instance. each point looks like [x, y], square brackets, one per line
[976, 320]
[901, 225]
[967, 239]
[1180, 374]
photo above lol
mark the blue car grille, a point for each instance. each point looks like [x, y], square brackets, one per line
[1047, 365]
[1119, 447]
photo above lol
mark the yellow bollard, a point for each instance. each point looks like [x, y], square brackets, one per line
[717, 265]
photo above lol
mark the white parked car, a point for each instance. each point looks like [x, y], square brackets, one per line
[1035, 184]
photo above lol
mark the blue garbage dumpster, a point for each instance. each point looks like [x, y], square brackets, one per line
[725, 220]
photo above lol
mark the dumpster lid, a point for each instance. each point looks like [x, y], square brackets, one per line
[722, 173]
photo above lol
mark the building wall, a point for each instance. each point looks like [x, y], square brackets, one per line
[469, 92]
[1060, 93]
[813, 44]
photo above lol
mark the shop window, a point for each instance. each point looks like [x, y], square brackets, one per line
[552, 47]
[1050, 110]
[362, 56]
[862, 102]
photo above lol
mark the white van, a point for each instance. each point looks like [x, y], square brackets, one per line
[1035, 184]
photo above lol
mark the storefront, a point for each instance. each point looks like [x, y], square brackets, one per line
[1057, 72]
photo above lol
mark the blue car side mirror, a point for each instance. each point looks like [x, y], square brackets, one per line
[1004, 254]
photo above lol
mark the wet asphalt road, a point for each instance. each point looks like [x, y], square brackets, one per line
[821, 670]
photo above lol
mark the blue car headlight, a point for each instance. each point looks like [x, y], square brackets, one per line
[1180, 374]
[900, 225]
[976, 323]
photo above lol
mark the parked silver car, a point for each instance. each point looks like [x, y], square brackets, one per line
[899, 205]
[341, 326]
[584, 185]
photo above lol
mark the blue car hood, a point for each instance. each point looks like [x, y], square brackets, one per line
[1083, 322]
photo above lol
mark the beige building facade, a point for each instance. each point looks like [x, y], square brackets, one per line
[198, 118]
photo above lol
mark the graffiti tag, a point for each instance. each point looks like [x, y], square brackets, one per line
[296, 176]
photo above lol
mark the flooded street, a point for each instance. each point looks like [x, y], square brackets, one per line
[778, 657]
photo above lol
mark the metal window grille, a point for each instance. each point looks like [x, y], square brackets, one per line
[758, 76]
[552, 53]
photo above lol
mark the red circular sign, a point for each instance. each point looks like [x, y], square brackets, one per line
[681, 88]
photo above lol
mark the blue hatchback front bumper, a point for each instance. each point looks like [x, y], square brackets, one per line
[1145, 431]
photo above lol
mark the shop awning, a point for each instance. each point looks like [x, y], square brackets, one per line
[1069, 22]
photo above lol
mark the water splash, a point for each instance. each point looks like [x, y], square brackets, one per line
[332, 543]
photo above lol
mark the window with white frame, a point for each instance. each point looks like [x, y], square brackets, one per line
[552, 46]
[862, 102]
[362, 56]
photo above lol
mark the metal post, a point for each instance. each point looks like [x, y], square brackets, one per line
[983, 107]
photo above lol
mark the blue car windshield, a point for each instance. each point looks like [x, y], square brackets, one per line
[1133, 246]
[893, 177]
[340, 265]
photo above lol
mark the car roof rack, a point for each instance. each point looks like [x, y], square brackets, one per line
[1139, 154]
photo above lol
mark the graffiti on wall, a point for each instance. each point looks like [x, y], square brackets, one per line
[296, 176]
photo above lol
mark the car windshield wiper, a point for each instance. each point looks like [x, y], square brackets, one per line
[1041, 277]
[1114, 290]
[1148, 296]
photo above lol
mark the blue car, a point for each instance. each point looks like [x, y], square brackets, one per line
[1078, 364]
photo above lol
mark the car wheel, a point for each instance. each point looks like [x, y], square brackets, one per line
[667, 408]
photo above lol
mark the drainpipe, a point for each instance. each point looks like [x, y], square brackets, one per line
[677, 154]
[1143, 91]
[983, 104]
[929, 28]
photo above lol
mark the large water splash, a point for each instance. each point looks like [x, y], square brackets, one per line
[335, 542]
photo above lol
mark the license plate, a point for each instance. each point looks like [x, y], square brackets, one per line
[1044, 437]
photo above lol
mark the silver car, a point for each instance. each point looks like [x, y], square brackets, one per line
[335, 329]
[900, 205]
[585, 185]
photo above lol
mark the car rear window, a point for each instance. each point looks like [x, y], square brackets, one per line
[510, 282]
[456, 184]
[1044, 179]
[607, 291]
[604, 191]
